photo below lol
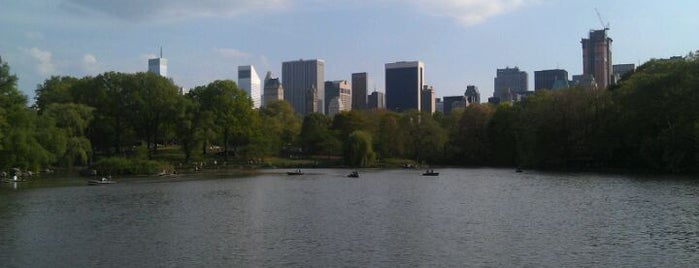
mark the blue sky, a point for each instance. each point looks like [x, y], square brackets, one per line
[461, 42]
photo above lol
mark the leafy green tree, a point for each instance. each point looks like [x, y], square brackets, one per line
[470, 142]
[228, 112]
[188, 126]
[68, 132]
[111, 131]
[502, 134]
[57, 89]
[347, 122]
[279, 126]
[19, 145]
[658, 113]
[317, 137]
[424, 137]
[359, 151]
[391, 142]
[151, 104]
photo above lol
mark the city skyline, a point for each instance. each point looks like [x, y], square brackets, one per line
[462, 42]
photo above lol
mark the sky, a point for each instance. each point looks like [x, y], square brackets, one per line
[461, 42]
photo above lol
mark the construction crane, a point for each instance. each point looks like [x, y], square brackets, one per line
[601, 21]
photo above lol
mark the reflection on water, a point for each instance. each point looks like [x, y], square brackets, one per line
[386, 218]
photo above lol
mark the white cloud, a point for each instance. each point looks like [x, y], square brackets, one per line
[469, 12]
[45, 66]
[89, 59]
[90, 64]
[231, 53]
[171, 9]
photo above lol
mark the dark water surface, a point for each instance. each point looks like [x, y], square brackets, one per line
[386, 218]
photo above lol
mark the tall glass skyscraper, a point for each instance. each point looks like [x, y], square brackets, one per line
[404, 81]
[359, 91]
[301, 77]
[249, 81]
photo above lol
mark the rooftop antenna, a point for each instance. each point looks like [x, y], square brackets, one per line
[161, 52]
[601, 21]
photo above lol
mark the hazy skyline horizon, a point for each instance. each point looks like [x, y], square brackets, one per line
[460, 42]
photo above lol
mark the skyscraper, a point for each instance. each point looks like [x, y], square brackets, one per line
[472, 94]
[619, 70]
[313, 105]
[376, 100]
[428, 102]
[341, 90]
[158, 65]
[438, 105]
[597, 57]
[454, 102]
[550, 79]
[404, 81]
[360, 84]
[301, 77]
[273, 90]
[249, 81]
[508, 83]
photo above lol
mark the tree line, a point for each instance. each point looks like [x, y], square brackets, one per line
[649, 120]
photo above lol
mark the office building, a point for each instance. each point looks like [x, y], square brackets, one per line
[585, 81]
[342, 91]
[158, 65]
[472, 94]
[428, 102]
[550, 79]
[299, 77]
[438, 105]
[454, 102]
[509, 82]
[249, 81]
[597, 57]
[619, 70]
[404, 81]
[273, 90]
[360, 84]
[376, 100]
[312, 103]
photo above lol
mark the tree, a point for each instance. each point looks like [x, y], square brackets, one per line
[279, 126]
[19, 146]
[421, 137]
[470, 141]
[228, 112]
[151, 104]
[391, 141]
[111, 131]
[658, 112]
[502, 133]
[57, 89]
[347, 122]
[67, 123]
[316, 136]
[359, 151]
[188, 126]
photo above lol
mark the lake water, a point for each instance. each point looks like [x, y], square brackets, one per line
[386, 218]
